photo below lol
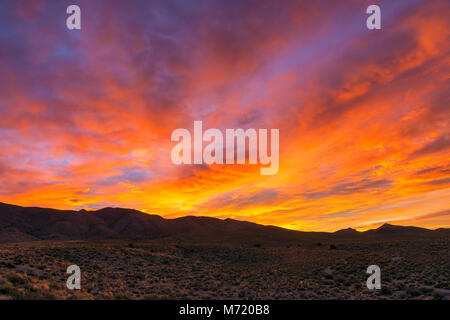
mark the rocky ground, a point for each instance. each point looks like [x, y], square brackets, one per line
[163, 269]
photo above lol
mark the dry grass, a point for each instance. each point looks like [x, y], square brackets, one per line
[170, 270]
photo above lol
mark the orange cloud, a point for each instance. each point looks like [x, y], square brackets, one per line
[363, 116]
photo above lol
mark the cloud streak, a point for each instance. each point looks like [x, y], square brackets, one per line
[363, 116]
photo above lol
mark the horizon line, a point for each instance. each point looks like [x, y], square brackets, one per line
[376, 226]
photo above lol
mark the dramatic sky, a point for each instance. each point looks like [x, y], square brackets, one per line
[86, 115]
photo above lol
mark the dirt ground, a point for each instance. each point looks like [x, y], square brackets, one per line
[163, 269]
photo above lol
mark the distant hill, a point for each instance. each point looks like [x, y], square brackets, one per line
[387, 229]
[18, 224]
[349, 232]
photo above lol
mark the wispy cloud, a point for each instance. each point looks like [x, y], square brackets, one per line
[86, 116]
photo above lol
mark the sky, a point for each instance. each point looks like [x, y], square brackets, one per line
[86, 115]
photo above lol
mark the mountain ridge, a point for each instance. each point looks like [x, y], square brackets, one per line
[18, 224]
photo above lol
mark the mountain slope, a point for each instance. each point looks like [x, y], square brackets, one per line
[30, 223]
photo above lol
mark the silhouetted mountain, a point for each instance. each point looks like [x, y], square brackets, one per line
[389, 230]
[347, 232]
[19, 224]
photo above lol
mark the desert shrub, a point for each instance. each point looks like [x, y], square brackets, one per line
[437, 295]
[385, 291]
[413, 292]
[15, 279]
[340, 278]
[6, 289]
[139, 276]
[425, 289]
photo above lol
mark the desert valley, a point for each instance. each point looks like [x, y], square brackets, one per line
[127, 254]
